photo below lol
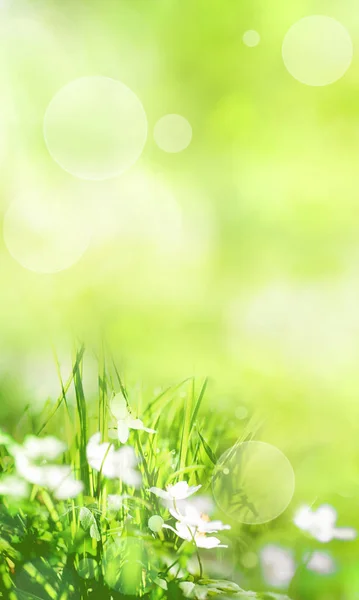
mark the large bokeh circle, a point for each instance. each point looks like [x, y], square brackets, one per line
[95, 128]
[317, 50]
[253, 482]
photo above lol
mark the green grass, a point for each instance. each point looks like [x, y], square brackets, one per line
[81, 548]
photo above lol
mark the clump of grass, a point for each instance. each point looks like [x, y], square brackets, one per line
[105, 532]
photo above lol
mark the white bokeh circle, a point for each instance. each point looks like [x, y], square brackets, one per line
[317, 50]
[253, 482]
[95, 128]
[45, 234]
[251, 38]
[172, 133]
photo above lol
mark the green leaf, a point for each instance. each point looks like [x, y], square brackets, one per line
[94, 532]
[88, 523]
[86, 518]
[198, 403]
[211, 455]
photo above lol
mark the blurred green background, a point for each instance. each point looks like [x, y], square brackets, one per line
[259, 286]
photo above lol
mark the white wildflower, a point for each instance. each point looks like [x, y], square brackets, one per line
[113, 463]
[191, 534]
[193, 518]
[68, 488]
[115, 501]
[47, 448]
[322, 563]
[13, 486]
[31, 464]
[125, 420]
[320, 524]
[278, 565]
[178, 491]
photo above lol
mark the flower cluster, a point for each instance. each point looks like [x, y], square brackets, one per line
[34, 464]
[320, 524]
[191, 525]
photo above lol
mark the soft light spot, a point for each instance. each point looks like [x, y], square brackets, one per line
[241, 412]
[155, 523]
[259, 485]
[278, 566]
[139, 212]
[251, 38]
[321, 562]
[317, 50]
[172, 133]
[95, 128]
[44, 233]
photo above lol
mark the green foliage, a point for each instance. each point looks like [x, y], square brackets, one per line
[102, 544]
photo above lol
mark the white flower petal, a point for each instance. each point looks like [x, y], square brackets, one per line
[303, 518]
[203, 541]
[48, 447]
[345, 533]
[13, 486]
[138, 424]
[322, 563]
[123, 431]
[99, 455]
[326, 516]
[165, 526]
[181, 490]
[53, 476]
[68, 488]
[118, 407]
[160, 493]
[186, 532]
[115, 501]
[125, 461]
[278, 565]
[194, 518]
[212, 526]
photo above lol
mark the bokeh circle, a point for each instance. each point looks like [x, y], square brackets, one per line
[172, 133]
[317, 50]
[251, 38]
[253, 482]
[44, 234]
[95, 128]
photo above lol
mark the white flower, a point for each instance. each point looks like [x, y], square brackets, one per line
[113, 463]
[192, 525]
[57, 478]
[13, 486]
[100, 456]
[125, 421]
[193, 518]
[322, 563]
[115, 501]
[321, 524]
[47, 448]
[178, 491]
[68, 488]
[31, 464]
[278, 566]
[191, 534]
